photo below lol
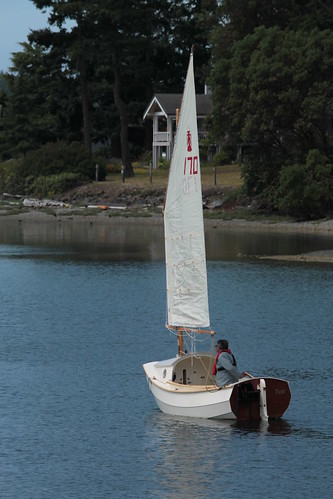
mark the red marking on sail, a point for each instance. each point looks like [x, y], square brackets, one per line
[189, 141]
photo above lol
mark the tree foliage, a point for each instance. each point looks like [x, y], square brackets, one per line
[272, 91]
[40, 104]
[89, 75]
[109, 57]
[306, 189]
[58, 164]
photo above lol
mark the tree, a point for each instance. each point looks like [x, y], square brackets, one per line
[278, 97]
[306, 189]
[98, 45]
[37, 105]
[75, 43]
[272, 90]
[145, 47]
[109, 56]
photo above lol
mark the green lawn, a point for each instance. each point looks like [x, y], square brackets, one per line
[226, 176]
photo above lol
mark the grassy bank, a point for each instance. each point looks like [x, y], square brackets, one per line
[221, 176]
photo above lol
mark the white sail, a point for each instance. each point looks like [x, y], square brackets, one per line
[187, 296]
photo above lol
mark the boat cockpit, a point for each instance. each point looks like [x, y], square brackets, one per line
[193, 369]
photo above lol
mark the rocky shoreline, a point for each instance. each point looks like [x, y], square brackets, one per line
[118, 215]
[108, 202]
[102, 203]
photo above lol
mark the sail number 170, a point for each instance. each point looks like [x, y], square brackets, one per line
[191, 164]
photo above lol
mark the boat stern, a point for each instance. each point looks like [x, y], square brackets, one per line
[260, 398]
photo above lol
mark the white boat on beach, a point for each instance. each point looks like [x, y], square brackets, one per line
[184, 385]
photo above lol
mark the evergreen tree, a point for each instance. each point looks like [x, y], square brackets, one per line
[74, 37]
[39, 106]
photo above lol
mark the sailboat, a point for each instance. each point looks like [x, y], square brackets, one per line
[184, 385]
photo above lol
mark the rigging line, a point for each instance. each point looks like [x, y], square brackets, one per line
[208, 376]
[190, 333]
[191, 340]
[206, 370]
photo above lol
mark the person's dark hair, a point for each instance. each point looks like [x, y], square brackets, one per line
[223, 344]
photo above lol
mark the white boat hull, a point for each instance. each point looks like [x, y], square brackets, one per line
[211, 405]
[248, 399]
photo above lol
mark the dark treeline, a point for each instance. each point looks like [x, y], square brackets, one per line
[271, 76]
[92, 72]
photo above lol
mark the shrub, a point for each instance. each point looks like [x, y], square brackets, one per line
[146, 158]
[59, 157]
[50, 168]
[223, 157]
[53, 184]
[164, 163]
[114, 168]
[12, 176]
[306, 190]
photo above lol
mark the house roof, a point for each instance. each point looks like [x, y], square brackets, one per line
[169, 103]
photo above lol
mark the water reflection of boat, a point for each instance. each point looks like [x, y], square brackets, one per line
[185, 453]
[184, 386]
[223, 427]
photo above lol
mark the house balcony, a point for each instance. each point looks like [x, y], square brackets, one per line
[166, 138]
[163, 143]
[162, 138]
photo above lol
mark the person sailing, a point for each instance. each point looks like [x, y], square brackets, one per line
[225, 365]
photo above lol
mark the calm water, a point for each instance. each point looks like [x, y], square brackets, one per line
[79, 316]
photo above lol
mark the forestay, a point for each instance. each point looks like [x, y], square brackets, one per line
[187, 297]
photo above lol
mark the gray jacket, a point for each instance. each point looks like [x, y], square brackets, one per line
[229, 374]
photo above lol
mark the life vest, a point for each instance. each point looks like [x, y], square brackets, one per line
[234, 363]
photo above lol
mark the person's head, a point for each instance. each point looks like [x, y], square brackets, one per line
[222, 344]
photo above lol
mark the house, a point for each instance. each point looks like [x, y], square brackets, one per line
[163, 111]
